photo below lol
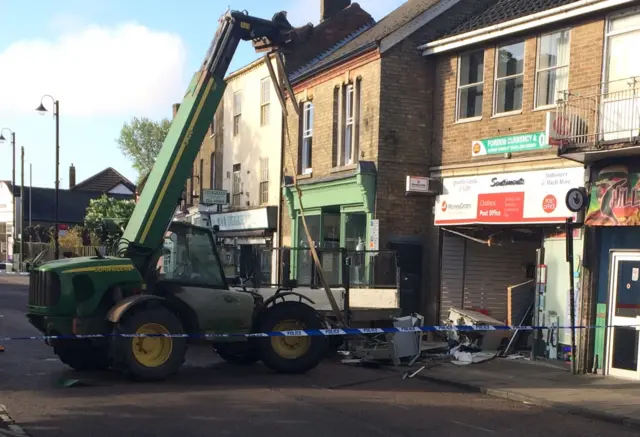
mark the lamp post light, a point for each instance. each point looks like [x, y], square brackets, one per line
[56, 114]
[13, 179]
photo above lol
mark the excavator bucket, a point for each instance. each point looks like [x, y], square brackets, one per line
[284, 37]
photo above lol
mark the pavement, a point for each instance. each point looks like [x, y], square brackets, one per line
[210, 397]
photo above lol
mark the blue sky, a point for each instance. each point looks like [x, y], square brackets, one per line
[107, 61]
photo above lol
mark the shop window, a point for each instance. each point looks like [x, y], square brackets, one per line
[329, 253]
[305, 267]
[307, 138]
[265, 100]
[237, 112]
[355, 243]
[470, 84]
[509, 78]
[552, 75]
[236, 186]
[264, 181]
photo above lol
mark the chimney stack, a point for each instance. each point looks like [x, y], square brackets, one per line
[72, 176]
[329, 8]
[175, 106]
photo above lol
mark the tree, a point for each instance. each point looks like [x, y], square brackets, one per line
[103, 208]
[141, 141]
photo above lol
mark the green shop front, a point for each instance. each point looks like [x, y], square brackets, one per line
[339, 212]
[614, 215]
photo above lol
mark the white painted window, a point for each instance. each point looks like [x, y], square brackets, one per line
[470, 85]
[265, 100]
[237, 112]
[509, 78]
[212, 126]
[351, 125]
[264, 181]
[307, 138]
[552, 67]
[236, 189]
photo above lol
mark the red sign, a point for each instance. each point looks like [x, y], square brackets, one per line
[501, 207]
[549, 203]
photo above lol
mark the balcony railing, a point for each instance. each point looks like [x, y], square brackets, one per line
[603, 113]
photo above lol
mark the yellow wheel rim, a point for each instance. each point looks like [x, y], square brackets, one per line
[290, 347]
[152, 351]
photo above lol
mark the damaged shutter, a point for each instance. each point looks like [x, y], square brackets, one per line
[490, 270]
[451, 275]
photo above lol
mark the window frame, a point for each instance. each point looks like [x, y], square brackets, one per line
[263, 195]
[212, 170]
[236, 189]
[538, 70]
[308, 105]
[496, 80]
[354, 121]
[460, 87]
[265, 105]
[237, 111]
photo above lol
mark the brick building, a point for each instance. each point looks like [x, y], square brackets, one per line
[365, 125]
[504, 84]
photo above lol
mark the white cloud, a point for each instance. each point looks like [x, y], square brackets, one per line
[95, 71]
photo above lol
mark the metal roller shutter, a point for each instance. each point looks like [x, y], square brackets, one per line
[451, 275]
[490, 270]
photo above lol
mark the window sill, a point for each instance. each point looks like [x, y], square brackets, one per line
[212, 135]
[304, 176]
[344, 168]
[507, 114]
[545, 108]
[468, 120]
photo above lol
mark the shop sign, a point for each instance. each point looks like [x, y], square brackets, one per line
[214, 197]
[250, 219]
[615, 198]
[508, 198]
[510, 144]
[374, 235]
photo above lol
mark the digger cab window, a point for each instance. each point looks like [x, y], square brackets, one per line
[190, 257]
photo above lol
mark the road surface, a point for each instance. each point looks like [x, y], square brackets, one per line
[211, 398]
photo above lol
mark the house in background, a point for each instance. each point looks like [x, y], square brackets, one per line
[39, 203]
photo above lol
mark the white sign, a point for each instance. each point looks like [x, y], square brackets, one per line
[558, 128]
[214, 197]
[417, 184]
[250, 219]
[374, 235]
[508, 198]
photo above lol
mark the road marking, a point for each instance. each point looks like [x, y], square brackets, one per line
[473, 427]
[5, 419]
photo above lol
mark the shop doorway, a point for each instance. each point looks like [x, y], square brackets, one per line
[623, 336]
[410, 263]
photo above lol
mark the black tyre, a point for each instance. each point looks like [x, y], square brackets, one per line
[241, 354]
[82, 355]
[150, 358]
[291, 354]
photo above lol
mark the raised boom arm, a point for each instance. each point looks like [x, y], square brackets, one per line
[162, 192]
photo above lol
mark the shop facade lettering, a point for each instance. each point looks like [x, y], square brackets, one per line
[508, 198]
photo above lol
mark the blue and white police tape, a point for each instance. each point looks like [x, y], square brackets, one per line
[320, 332]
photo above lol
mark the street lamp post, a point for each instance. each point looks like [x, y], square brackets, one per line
[56, 114]
[13, 179]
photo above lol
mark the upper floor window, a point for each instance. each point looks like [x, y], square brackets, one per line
[470, 84]
[265, 99]
[236, 188]
[307, 138]
[213, 171]
[212, 126]
[350, 124]
[552, 71]
[509, 78]
[237, 112]
[264, 181]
